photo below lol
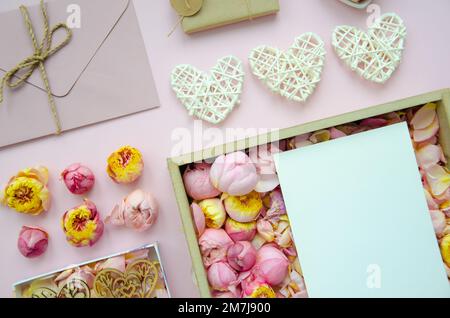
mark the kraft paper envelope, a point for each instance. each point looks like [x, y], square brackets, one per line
[103, 73]
[360, 219]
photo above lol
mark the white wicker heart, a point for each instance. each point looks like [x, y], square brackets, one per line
[293, 74]
[374, 55]
[210, 97]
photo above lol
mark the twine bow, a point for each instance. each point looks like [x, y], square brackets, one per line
[42, 51]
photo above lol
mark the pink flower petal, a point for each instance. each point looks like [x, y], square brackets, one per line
[429, 155]
[374, 122]
[424, 116]
[420, 135]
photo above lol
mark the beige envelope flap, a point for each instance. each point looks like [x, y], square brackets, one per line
[97, 20]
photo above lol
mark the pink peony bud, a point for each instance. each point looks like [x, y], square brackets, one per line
[241, 256]
[240, 231]
[254, 286]
[197, 183]
[214, 244]
[234, 174]
[271, 264]
[221, 276]
[199, 218]
[214, 212]
[32, 242]
[78, 179]
[138, 211]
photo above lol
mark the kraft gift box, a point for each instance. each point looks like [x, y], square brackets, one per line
[64, 283]
[102, 73]
[216, 13]
[177, 165]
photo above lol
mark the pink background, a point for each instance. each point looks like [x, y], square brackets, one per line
[424, 68]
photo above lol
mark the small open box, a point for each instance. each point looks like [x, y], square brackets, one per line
[136, 273]
[178, 164]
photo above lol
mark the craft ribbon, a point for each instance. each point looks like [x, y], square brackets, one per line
[42, 51]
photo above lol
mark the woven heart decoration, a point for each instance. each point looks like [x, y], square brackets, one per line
[374, 55]
[210, 97]
[293, 74]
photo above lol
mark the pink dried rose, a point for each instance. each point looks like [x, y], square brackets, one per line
[234, 174]
[271, 264]
[139, 211]
[262, 157]
[214, 244]
[241, 256]
[197, 183]
[221, 276]
[79, 179]
[32, 242]
[239, 231]
[199, 218]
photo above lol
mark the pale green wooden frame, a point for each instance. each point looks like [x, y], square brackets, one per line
[441, 97]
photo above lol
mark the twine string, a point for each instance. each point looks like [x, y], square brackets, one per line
[42, 51]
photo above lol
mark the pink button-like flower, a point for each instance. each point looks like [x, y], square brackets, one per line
[271, 264]
[234, 174]
[221, 276]
[32, 242]
[78, 179]
[241, 256]
[214, 244]
[239, 231]
[138, 211]
[197, 183]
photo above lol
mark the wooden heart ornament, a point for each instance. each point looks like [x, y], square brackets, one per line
[138, 281]
[374, 54]
[210, 97]
[293, 74]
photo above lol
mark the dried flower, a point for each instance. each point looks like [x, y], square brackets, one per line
[82, 225]
[214, 213]
[214, 244]
[271, 264]
[33, 241]
[240, 231]
[234, 174]
[138, 211]
[245, 208]
[241, 256]
[265, 230]
[254, 286]
[78, 179]
[125, 165]
[197, 183]
[221, 276]
[27, 191]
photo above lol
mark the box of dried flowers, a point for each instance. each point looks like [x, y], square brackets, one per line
[232, 207]
[132, 274]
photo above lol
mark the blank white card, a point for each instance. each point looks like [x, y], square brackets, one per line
[359, 217]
